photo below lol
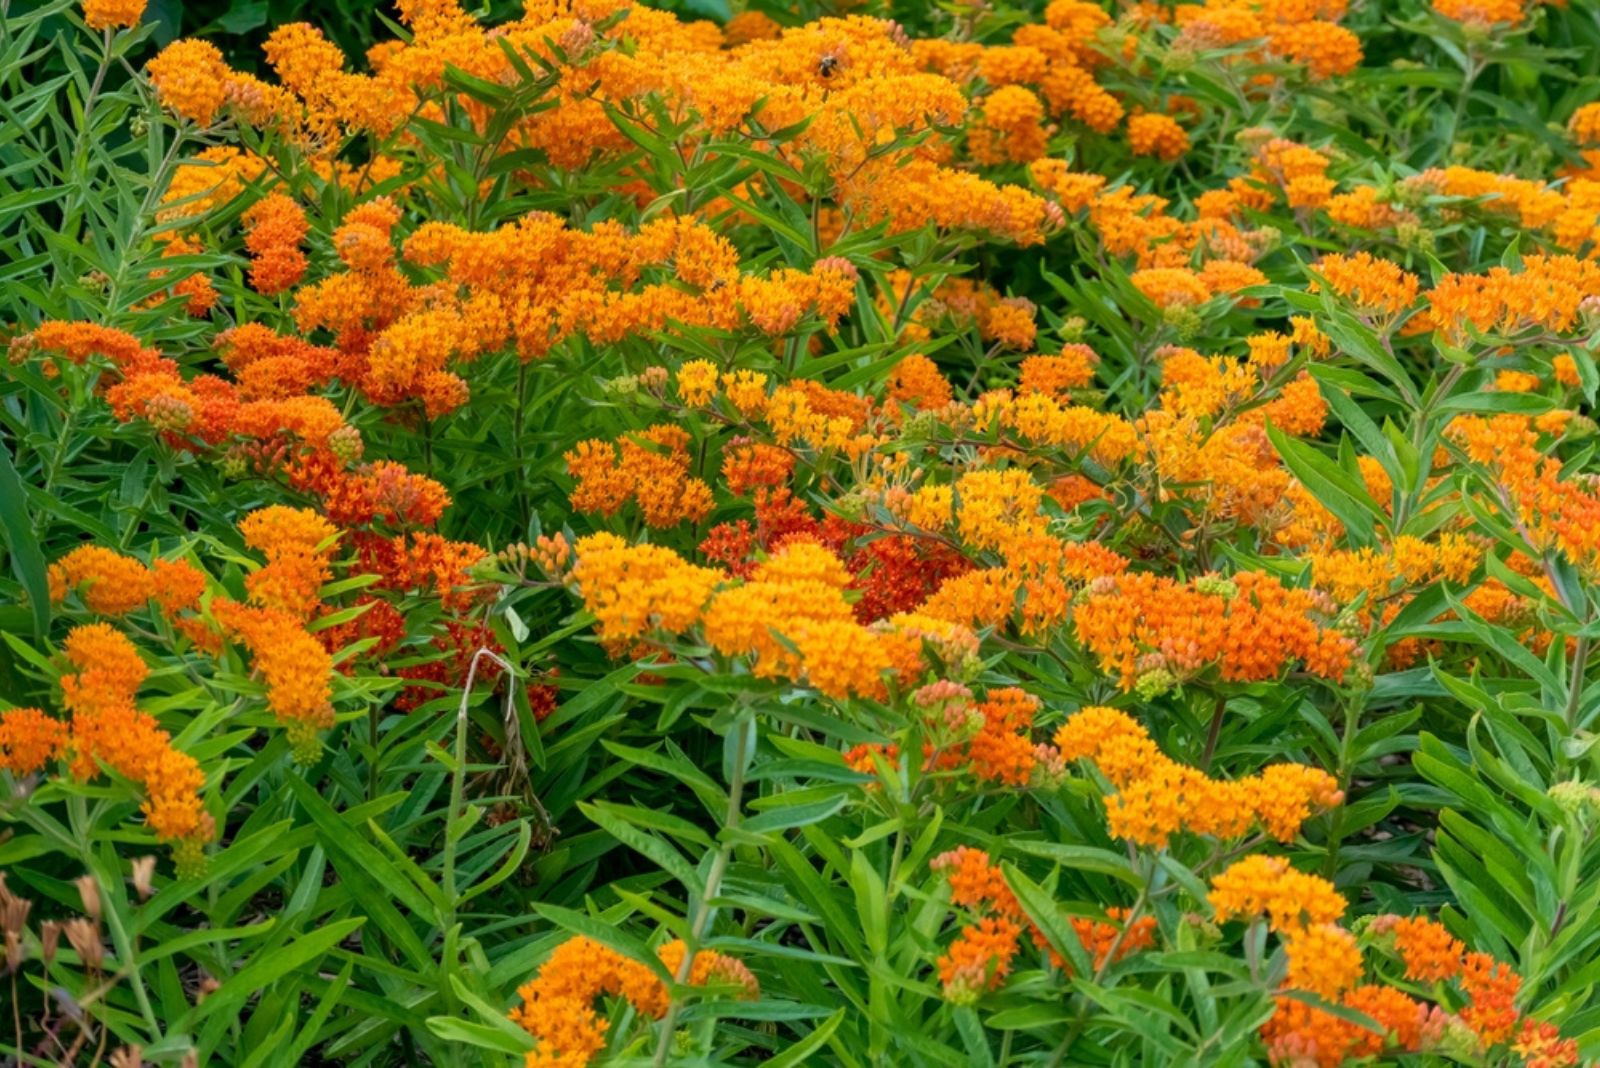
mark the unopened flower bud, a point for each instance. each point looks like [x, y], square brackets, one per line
[1153, 684]
[837, 264]
[346, 444]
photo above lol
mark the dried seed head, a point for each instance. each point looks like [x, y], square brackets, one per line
[49, 938]
[84, 934]
[13, 909]
[128, 1057]
[143, 870]
[89, 891]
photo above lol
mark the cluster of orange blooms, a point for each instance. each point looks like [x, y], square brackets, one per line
[960, 513]
[558, 1004]
[981, 956]
[789, 617]
[107, 729]
[1551, 511]
[873, 105]
[268, 419]
[277, 625]
[1156, 631]
[650, 469]
[990, 739]
[275, 227]
[1157, 797]
[283, 596]
[1325, 959]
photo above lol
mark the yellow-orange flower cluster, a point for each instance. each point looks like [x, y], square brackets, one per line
[1248, 627]
[107, 729]
[274, 228]
[110, 14]
[650, 468]
[558, 1004]
[1157, 797]
[980, 957]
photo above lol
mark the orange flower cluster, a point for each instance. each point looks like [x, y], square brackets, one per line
[1041, 574]
[789, 617]
[1153, 629]
[1302, 33]
[107, 729]
[190, 79]
[960, 304]
[650, 468]
[1157, 797]
[268, 420]
[1484, 13]
[532, 285]
[1564, 212]
[196, 289]
[1154, 134]
[111, 14]
[1373, 286]
[1553, 510]
[284, 595]
[1545, 295]
[1207, 443]
[1325, 959]
[793, 620]
[854, 89]
[1262, 886]
[1349, 573]
[634, 590]
[558, 1004]
[274, 228]
[112, 584]
[980, 957]
[1137, 225]
[1541, 1046]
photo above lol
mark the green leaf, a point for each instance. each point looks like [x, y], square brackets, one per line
[797, 1053]
[619, 822]
[1334, 488]
[267, 968]
[22, 541]
[480, 1036]
[1041, 909]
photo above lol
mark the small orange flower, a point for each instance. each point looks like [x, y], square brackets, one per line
[110, 14]
[190, 79]
[1154, 134]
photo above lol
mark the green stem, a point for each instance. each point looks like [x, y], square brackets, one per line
[1474, 68]
[1352, 719]
[1575, 685]
[704, 909]
[128, 955]
[1213, 732]
[458, 776]
[1058, 1055]
[517, 429]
